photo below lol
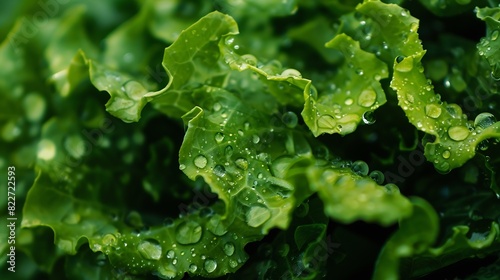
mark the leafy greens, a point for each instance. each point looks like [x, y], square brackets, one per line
[258, 139]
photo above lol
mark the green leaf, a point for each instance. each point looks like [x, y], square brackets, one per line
[350, 197]
[456, 138]
[489, 45]
[355, 91]
[72, 220]
[451, 7]
[193, 60]
[69, 44]
[415, 234]
[223, 145]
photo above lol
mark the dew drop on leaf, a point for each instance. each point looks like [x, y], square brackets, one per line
[391, 189]
[228, 249]
[167, 271]
[217, 107]
[377, 176]
[484, 120]
[219, 170]
[219, 137]
[458, 133]
[193, 268]
[150, 249]
[348, 101]
[228, 151]
[210, 265]
[367, 98]
[170, 254]
[494, 35]
[290, 119]
[446, 154]
[257, 215]
[326, 121]
[233, 263]
[360, 167]
[241, 163]
[188, 232]
[432, 111]
[200, 161]
[216, 226]
[368, 117]
[291, 72]
[255, 139]
[249, 59]
[109, 240]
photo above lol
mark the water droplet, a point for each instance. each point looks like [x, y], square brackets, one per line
[150, 249]
[228, 151]
[367, 98]
[134, 90]
[458, 133]
[291, 72]
[369, 117]
[210, 265]
[188, 232]
[433, 111]
[483, 145]
[228, 249]
[217, 107]
[46, 150]
[257, 215]
[229, 40]
[200, 161]
[216, 226]
[182, 166]
[170, 254]
[446, 154]
[348, 101]
[454, 110]
[326, 121]
[290, 119]
[249, 59]
[484, 120]
[233, 263]
[255, 139]
[360, 167]
[219, 137]
[377, 176]
[241, 163]
[109, 240]
[167, 271]
[193, 268]
[219, 170]
[391, 189]
[494, 35]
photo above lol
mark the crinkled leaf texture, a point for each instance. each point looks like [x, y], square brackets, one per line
[456, 138]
